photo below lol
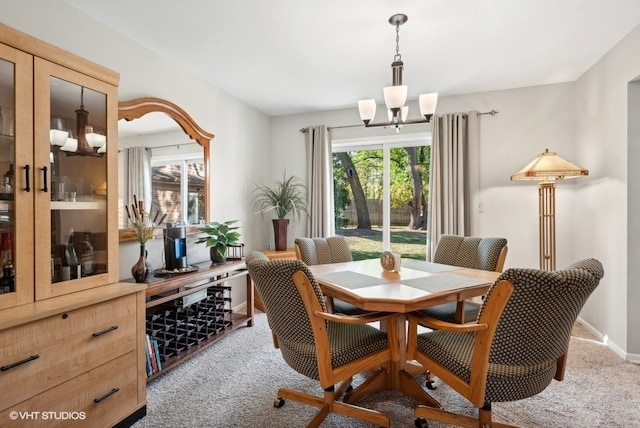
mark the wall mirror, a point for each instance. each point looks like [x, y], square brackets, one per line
[164, 160]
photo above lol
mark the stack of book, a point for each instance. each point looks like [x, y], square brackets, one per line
[153, 356]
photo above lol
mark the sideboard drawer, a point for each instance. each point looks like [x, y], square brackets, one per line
[37, 356]
[91, 399]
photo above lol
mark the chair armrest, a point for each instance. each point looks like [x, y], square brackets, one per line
[437, 324]
[355, 319]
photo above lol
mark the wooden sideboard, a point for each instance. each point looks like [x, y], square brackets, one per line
[186, 313]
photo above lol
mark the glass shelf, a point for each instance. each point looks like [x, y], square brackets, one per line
[78, 205]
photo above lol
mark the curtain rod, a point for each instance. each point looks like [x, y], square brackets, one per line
[305, 130]
[177, 146]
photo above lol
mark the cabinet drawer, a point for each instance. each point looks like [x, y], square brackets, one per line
[73, 403]
[37, 356]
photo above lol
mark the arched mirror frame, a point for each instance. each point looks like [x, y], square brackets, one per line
[135, 109]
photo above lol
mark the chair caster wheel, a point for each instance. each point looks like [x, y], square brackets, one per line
[431, 385]
[421, 423]
[278, 402]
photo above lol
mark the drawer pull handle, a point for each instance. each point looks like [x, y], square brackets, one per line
[99, 399]
[105, 331]
[16, 364]
[44, 169]
[26, 177]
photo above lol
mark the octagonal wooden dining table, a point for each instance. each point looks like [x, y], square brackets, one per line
[416, 285]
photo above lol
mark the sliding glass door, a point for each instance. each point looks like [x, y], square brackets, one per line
[381, 194]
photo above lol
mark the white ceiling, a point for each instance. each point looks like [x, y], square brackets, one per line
[295, 56]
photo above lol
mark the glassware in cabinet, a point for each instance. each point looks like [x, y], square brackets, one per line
[73, 114]
[16, 196]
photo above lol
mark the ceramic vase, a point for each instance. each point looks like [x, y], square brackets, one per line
[280, 233]
[142, 269]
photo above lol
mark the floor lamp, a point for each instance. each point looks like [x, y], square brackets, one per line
[548, 168]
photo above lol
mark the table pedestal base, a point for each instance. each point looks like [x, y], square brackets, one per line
[381, 380]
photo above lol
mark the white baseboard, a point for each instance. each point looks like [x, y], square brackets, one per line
[632, 358]
[241, 308]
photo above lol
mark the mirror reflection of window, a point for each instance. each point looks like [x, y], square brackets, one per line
[177, 189]
[169, 152]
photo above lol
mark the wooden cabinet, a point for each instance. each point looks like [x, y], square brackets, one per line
[71, 335]
[53, 210]
[94, 396]
[63, 354]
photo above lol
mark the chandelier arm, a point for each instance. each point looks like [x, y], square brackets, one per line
[394, 124]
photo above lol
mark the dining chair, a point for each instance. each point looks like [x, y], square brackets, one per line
[333, 249]
[328, 347]
[514, 349]
[468, 252]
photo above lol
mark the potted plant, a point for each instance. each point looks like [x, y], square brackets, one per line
[219, 237]
[286, 196]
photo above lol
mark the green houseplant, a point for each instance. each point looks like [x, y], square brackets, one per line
[219, 237]
[284, 197]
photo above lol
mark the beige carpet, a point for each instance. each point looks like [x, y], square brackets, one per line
[233, 384]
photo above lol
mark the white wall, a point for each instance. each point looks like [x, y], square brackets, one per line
[610, 202]
[239, 129]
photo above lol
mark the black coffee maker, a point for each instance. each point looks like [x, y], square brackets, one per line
[175, 246]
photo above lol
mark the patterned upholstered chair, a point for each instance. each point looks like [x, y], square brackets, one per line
[469, 252]
[516, 347]
[334, 249]
[328, 347]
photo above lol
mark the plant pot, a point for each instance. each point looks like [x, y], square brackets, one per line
[280, 226]
[216, 257]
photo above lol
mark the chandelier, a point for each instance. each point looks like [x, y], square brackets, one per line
[87, 143]
[395, 96]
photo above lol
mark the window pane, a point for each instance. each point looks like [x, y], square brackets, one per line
[196, 192]
[172, 191]
[361, 201]
[358, 200]
[408, 191]
[165, 191]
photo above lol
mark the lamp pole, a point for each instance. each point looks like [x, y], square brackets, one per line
[547, 225]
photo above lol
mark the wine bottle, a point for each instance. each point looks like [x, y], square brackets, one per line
[6, 249]
[86, 257]
[7, 282]
[71, 256]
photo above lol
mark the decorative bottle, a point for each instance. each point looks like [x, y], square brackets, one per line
[9, 180]
[86, 257]
[71, 256]
[141, 271]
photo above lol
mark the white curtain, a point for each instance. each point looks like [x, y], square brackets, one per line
[320, 221]
[139, 180]
[449, 190]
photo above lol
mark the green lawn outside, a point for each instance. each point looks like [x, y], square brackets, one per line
[367, 244]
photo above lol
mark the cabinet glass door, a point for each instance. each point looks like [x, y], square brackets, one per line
[7, 178]
[71, 144]
[16, 196]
